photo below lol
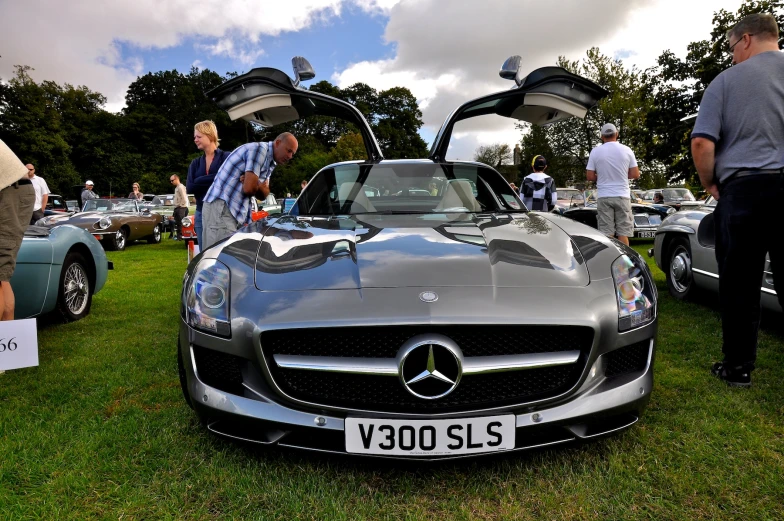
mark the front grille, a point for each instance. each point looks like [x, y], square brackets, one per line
[384, 342]
[629, 359]
[387, 394]
[219, 370]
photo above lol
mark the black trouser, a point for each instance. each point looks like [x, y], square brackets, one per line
[37, 214]
[746, 218]
[179, 213]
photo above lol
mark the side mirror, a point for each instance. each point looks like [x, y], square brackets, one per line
[510, 70]
[302, 70]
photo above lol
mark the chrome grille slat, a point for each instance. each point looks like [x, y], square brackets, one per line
[389, 366]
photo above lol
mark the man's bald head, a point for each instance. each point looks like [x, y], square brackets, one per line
[30, 170]
[284, 147]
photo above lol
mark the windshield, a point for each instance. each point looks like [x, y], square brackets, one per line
[110, 205]
[406, 188]
[677, 194]
[565, 194]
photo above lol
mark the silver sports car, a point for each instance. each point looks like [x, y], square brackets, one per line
[385, 317]
[684, 249]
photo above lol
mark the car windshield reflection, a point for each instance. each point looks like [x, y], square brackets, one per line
[424, 188]
[110, 205]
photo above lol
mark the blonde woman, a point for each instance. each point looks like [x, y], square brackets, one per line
[202, 171]
[136, 193]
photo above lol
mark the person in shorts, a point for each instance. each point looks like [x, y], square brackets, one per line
[17, 197]
[611, 165]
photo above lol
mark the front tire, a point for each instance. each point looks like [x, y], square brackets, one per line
[118, 241]
[680, 278]
[155, 238]
[75, 296]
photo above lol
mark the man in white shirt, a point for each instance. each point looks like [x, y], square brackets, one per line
[41, 194]
[611, 165]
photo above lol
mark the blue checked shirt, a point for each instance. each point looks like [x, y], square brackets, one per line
[252, 157]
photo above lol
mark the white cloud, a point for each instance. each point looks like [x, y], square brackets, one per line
[77, 42]
[243, 54]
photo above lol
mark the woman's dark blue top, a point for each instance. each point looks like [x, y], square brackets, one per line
[199, 181]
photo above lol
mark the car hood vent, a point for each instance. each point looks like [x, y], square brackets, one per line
[382, 251]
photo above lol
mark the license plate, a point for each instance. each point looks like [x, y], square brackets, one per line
[646, 234]
[430, 437]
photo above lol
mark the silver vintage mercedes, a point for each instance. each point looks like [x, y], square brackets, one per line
[415, 308]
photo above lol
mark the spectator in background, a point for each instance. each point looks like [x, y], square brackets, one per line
[41, 194]
[202, 171]
[611, 165]
[658, 198]
[17, 197]
[136, 193]
[303, 184]
[180, 205]
[88, 193]
[538, 189]
[245, 174]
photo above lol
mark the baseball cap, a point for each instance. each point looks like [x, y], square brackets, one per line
[539, 162]
[88, 182]
[609, 129]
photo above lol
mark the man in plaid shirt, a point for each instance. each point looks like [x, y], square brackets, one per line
[244, 174]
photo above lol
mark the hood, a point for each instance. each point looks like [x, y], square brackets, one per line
[82, 218]
[383, 251]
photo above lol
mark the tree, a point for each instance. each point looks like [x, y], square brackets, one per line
[493, 155]
[676, 87]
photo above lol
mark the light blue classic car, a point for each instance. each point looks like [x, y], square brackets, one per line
[58, 269]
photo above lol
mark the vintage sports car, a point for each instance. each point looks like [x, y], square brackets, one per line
[567, 198]
[675, 197]
[59, 269]
[647, 217]
[415, 326]
[114, 222]
[684, 249]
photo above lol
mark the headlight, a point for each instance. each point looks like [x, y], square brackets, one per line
[671, 210]
[207, 303]
[43, 221]
[186, 222]
[104, 223]
[635, 293]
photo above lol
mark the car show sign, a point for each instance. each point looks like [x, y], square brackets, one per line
[18, 344]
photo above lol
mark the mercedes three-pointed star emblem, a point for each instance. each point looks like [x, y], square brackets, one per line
[430, 366]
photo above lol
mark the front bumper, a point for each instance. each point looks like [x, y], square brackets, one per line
[600, 406]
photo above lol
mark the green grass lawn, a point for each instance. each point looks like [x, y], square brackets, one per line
[100, 431]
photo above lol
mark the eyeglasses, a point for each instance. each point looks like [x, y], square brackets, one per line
[31, 169]
[171, 180]
[732, 47]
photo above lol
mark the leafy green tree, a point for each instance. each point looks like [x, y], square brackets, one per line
[676, 87]
[493, 155]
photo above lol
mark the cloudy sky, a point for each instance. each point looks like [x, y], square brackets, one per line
[445, 52]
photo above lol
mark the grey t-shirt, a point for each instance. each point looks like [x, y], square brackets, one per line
[742, 111]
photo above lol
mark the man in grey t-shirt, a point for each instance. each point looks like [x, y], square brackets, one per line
[738, 149]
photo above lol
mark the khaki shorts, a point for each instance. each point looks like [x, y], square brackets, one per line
[16, 208]
[615, 216]
[217, 221]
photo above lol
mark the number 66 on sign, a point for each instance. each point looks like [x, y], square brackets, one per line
[18, 344]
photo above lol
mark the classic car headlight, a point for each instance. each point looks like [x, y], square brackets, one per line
[634, 292]
[207, 303]
[104, 223]
[43, 221]
[671, 210]
[186, 222]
